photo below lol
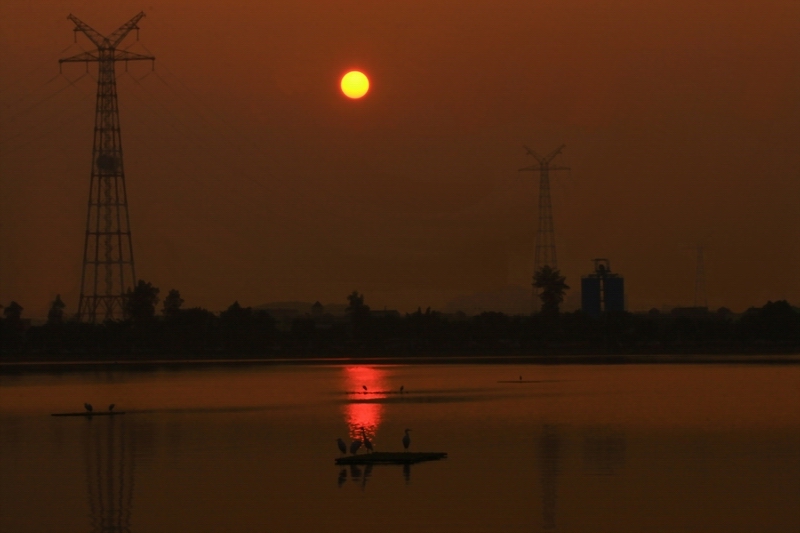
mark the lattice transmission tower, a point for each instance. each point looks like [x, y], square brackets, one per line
[545, 253]
[108, 268]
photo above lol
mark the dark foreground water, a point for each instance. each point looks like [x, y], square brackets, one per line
[571, 448]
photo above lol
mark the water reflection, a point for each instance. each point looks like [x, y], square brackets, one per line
[361, 477]
[109, 462]
[549, 445]
[363, 416]
[604, 451]
[356, 475]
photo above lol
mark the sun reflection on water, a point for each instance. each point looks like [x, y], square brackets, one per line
[363, 385]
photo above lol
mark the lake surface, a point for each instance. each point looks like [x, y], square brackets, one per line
[245, 449]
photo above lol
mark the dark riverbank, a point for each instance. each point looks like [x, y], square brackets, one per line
[18, 367]
[247, 336]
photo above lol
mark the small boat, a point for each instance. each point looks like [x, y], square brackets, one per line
[90, 414]
[390, 458]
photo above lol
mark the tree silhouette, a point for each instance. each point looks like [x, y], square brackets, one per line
[140, 302]
[775, 322]
[356, 308]
[13, 312]
[172, 304]
[11, 330]
[56, 313]
[236, 315]
[552, 289]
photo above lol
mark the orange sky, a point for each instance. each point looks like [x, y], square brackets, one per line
[251, 178]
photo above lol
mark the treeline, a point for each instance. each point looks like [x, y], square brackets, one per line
[175, 332]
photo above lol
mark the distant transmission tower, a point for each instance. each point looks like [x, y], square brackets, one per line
[545, 253]
[108, 269]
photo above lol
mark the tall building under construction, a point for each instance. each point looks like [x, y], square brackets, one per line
[602, 291]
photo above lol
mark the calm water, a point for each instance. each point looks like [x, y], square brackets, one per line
[573, 448]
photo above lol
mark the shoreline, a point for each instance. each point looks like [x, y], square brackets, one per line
[16, 367]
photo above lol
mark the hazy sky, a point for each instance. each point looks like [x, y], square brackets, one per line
[251, 178]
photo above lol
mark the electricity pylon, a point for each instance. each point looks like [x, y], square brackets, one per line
[545, 253]
[108, 269]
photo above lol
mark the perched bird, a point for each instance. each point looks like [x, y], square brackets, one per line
[520, 378]
[88, 407]
[367, 442]
[342, 446]
[365, 388]
[401, 388]
[111, 407]
[354, 446]
[406, 440]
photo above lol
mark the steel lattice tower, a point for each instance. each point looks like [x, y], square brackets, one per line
[545, 253]
[108, 269]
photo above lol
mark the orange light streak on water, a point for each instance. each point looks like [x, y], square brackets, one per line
[363, 411]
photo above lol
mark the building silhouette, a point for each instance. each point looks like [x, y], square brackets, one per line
[602, 291]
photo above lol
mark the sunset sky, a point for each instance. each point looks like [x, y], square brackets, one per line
[251, 177]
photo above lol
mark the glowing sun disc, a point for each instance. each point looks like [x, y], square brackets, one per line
[355, 84]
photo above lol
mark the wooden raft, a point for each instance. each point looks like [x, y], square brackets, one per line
[390, 458]
[90, 414]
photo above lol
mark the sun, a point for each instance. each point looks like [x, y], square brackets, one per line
[355, 84]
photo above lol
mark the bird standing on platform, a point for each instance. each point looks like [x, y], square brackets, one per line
[402, 387]
[342, 446]
[406, 440]
[111, 407]
[88, 407]
[354, 446]
[367, 442]
[365, 388]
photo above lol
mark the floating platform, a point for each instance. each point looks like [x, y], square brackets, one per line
[368, 392]
[530, 380]
[91, 414]
[390, 458]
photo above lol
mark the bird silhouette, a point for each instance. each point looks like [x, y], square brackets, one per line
[88, 407]
[111, 407]
[406, 440]
[365, 388]
[401, 388]
[367, 442]
[342, 446]
[354, 446]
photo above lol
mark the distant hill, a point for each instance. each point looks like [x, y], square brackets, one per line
[303, 307]
[511, 300]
